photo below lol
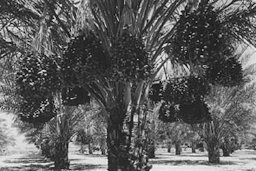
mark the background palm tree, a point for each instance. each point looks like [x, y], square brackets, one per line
[92, 130]
[232, 113]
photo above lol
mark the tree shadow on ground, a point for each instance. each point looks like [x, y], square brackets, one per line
[189, 162]
[26, 160]
[39, 163]
[90, 155]
[182, 155]
[31, 167]
[86, 167]
[49, 167]
[252, 158]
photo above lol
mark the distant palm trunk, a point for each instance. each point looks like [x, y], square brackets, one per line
[225, 150]
[225, 146]
[103, 146]
[103, 150]
[169, 146]
[193, 146]
[178, 147]
[90, 148]
[82, 150]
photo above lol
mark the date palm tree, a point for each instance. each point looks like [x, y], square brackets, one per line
[46, 26]
[232, 114]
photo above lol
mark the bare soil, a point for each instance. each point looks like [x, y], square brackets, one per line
[31, 160]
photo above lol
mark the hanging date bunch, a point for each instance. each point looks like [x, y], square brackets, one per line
[204, 37]
[168, 113]
[83, 60]
[37, 111]
[195, 112]
[184, 100]
[188, 89]
[190, 113]
[74, 96]
[156, 92]
[226, 72]
[176, 90]
[199, 38]
[36, 81]
[37, 73]
[130, 60]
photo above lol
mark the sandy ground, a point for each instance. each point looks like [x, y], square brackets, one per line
[30, 160]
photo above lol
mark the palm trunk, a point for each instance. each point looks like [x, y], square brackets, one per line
[169, 146]
[103, 146]
[82, 148]
[125, 153]
[225, 150]
[90, 148]
[213, 150]
[103, 151]
[61, 155]
[193, 147]
[151, 150]
[178, 147]
[61, 145]
[118, 155]
[226, 147]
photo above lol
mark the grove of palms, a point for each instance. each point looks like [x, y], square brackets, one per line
[59, 55]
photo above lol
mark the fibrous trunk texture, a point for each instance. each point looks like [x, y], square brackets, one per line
[213, 150]
[118, 155]
[61, 155]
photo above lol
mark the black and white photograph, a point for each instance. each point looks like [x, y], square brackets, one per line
[128, 85]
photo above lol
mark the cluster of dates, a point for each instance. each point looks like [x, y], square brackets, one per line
[84, 61]
[182, 99]
[201, 39]
[38, 79]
